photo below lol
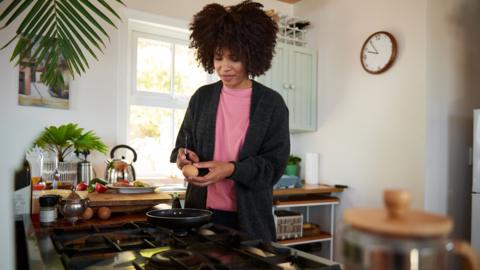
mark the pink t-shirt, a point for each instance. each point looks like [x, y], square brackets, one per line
[233, 118]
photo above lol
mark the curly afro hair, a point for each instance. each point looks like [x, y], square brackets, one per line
[244, 29]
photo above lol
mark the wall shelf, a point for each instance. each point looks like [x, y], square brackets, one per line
[323, 236]
[307, 201]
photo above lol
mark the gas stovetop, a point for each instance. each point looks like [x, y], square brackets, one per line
[141, 245]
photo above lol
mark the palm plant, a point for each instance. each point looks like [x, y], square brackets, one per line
[55, 33]
[65, 139]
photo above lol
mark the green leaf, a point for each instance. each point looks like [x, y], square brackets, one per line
[8, 43]
[22, 43]
[85, 13]
[44, 19]
[9, 9]
[67, 52]
[71, 41]
[34, 39]
[36, 11]
[82, 24]
[45, 45]
[19, 11]
[74, 31]
[98, 12]
[103, 3]
[121, 2]
[44, 50]
[75, 55]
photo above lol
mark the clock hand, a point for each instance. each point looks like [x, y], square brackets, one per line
[373, 46]
[372, 52]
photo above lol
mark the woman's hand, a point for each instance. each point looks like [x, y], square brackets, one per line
[182, 159]
[218, 170]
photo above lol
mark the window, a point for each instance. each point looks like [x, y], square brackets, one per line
[163, 75]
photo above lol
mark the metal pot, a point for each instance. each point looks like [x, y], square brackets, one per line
[72, 207]
[399, 238]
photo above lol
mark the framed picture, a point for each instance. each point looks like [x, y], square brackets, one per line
[32, 92]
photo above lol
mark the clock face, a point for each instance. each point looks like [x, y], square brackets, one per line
[378, 52]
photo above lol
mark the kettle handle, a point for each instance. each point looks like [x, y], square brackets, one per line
[133, 173]
[463, 249]
[112, 152]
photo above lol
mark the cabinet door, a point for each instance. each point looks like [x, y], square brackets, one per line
[277, 77]
[302, 98]
[293, 75]
[280, 72]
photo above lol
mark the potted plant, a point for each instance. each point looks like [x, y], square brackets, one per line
[63, 141]
[292, 165]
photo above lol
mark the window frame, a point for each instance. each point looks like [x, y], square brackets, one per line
[142, 24]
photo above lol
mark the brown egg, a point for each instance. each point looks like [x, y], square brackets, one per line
[189, 170]
[87, 214]
[104, 212]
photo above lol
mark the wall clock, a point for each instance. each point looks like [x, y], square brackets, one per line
[378, 52]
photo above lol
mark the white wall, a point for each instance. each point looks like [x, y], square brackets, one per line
[453, 37]
[93, 105]
[371, 128]
[409, 127]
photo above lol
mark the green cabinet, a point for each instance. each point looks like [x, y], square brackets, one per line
[294, 75]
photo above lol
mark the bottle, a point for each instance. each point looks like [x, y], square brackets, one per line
[23, 191]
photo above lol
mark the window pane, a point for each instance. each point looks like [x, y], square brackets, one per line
[179, 115]
[188, 75]
[178, 119]
[151, 136]
[154, 61]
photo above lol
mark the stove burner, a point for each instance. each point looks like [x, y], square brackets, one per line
[94, 240]
[210, 247]
[177, 259]
[181, 233]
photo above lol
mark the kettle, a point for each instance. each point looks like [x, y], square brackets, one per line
[400, 238]
[119, 168]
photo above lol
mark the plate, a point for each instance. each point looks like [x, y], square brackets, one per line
[172, 187]
[132, 190]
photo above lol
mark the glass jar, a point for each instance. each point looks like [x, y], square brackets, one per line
[48, 209]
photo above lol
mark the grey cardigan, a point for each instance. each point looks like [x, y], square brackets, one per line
[262, 158]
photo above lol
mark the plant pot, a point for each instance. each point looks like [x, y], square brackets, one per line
[291, 170]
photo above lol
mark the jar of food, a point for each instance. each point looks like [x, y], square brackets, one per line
[48, 209]
[399, 238]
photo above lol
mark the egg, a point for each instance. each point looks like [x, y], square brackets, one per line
[189, 170]
[104, 212]
[87, 214]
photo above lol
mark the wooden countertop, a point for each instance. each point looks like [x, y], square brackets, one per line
[119, 217]
[307, 189]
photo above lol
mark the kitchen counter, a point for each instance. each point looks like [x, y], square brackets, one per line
[42, 253]
[307, 189]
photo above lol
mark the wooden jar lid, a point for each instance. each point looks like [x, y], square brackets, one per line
[398, 219]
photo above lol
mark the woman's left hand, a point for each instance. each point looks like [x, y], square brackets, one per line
[218, 170]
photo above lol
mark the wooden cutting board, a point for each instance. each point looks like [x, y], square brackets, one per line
[117, 199]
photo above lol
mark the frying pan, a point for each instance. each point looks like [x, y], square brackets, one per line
[179, 218]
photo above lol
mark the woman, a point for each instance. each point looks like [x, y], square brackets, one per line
[236, 129]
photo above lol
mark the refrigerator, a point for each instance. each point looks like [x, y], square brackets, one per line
[475, 234]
